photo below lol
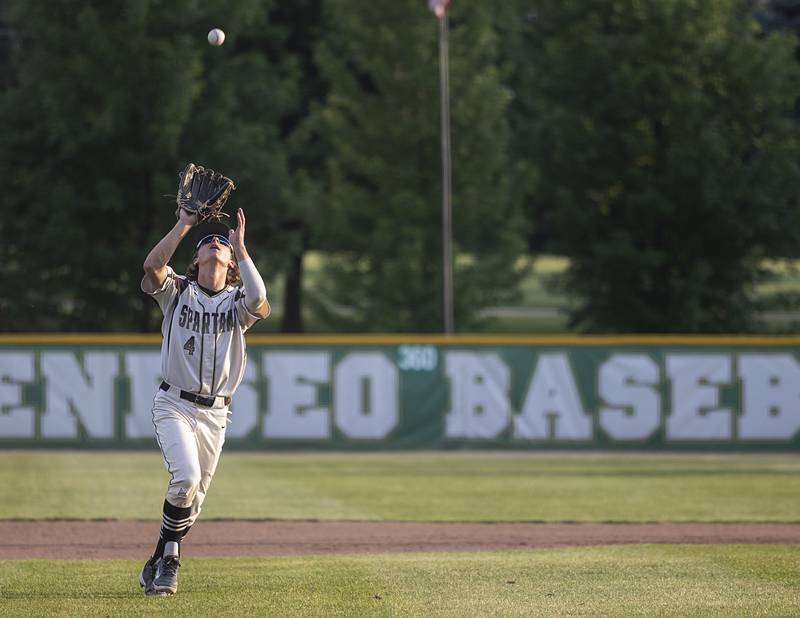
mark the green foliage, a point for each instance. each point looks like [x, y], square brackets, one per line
[380, 122]
[674, 580]
[422, 487]
[108, 102]
[653, 142]
[667, 158]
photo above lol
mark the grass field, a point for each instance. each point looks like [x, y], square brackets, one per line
[414, 486]
[675, 580]
[634, 580]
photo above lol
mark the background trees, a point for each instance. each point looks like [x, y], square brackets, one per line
[664, 147]
[653, 143]
[382, 177]
[104, 106]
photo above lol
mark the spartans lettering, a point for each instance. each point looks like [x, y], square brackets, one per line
[206, 322]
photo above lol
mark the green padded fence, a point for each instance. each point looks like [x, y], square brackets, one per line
[425, 392]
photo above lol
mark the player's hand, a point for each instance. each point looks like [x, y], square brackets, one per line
[237, 236]
[186, 217]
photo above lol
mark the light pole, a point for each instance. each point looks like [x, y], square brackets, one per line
[439, 7]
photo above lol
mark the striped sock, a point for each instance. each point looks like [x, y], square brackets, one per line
[175, 523]
[159, 552]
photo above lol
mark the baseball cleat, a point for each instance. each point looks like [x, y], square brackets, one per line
[166, 579]
[147, 575]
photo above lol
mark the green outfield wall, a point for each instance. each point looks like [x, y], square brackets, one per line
[422, 392]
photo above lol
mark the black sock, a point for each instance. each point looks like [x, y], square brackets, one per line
[175, 523]
[159, 552]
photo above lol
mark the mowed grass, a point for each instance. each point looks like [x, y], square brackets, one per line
[674, 580]
[456, 486]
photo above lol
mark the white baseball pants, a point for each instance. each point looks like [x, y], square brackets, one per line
[191, 439]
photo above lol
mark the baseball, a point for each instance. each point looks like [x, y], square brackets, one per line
[216, 37]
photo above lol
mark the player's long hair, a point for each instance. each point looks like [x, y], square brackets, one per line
[233, 277]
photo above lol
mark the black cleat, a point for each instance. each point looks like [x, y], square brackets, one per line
[166, 579]
[147, 575]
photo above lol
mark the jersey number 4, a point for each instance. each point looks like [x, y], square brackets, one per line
[189, 346]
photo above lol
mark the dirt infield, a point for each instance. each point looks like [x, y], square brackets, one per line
[134, 539]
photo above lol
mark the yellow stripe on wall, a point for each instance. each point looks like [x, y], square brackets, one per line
[80, 339]
[421, 339]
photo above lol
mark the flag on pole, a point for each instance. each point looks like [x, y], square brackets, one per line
[439, 7]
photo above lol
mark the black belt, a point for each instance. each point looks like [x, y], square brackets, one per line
[202, 400]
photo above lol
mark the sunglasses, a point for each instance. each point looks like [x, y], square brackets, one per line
[207, 239]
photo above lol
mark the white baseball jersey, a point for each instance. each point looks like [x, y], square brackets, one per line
[203, 348]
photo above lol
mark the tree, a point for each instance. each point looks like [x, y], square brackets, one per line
[302, 23]
[661, 131]
[518, 73]
[106, 105]
[380, 123]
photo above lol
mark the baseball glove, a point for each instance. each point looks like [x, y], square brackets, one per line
[203, 192]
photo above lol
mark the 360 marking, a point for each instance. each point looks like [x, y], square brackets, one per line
[417, 358]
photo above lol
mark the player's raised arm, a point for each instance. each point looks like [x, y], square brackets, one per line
[155, 264]
[255, 292]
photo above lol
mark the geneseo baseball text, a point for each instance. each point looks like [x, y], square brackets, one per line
[424, 396]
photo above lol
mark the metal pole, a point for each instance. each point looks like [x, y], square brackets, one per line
[447, 211]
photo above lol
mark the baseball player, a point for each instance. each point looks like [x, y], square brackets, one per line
[206, 314]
